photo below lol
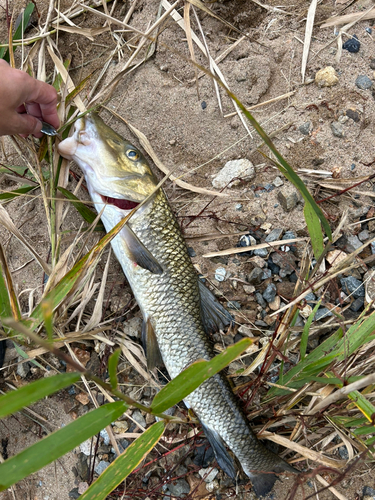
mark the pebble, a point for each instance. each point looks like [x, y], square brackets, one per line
[220, 274]
[278, 182]
[288, 199]
[236, 168]
[289, 235]
[233, 304]
[335, 257]
[352, 45]
[179, 488]
[305, 128]
[120, 426]
[285, 261]
[372, 64]
[204, 104]
[133, 327]
[326, 77]
[191, 252]
[363, 82]
[258, 261]
[353, 114]
[249, 289]
[364, 235]
[74, 493]
[214, 485]
[261, 252]
[82, 466]
[322, 313]
[274, 235]
[368, 30]
[104, 435]
[275, 304]
[23, 369]
[352, 243]
[267, 273]
[357, 304]
[86, 446]
[337, 129]
[255, 276]
[353, 286]
[343, 452]
[238, 207]
[285, 289]
[259, 298]
[369, 286]
[211, 472]
[101, 467]
[368, 493]
[246, 240]
[270, 293]
[139, 418]
[274, 267]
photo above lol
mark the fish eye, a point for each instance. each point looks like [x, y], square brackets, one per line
[132, 154]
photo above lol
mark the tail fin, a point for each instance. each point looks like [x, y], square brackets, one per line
[263, 483]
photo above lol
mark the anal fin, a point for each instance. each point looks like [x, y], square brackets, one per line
[150, 345]
[214, 316]
[139, 253]
[223, 458]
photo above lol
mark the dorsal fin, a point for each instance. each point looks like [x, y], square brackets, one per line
[150, 345]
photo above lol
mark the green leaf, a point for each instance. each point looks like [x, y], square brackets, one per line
[4, 51]
[363, 404]
[22, 353]
[112, 368]
[32, 392]
[191, 378]
[306, 329]
[124, 464]
[87, 214]
[58, 443]
[9, 195]
[315, 230]
[13, 169]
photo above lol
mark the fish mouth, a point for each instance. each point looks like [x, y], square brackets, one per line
[120, 203]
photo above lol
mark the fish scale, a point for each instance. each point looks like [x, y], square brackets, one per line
[169, 297]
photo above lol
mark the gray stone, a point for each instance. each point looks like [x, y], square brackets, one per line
[233, 304]
[74, 493]
[179, 488]
[274, 235]
[357, 304]
[259, 298]
[82, 466]
[322, 313]
[139, 418]
[363, 82]
[23, 369]
[286, 262]
[343, 452]
[337, 129]
[278, 182]
[352, 243]
[191, 252]
[246, 240]
[101, 467]
[209, 474]
[255, 276]
[233, 169]
[289, 235]
[238, 207]
[261, 252]
[368, 492]
[309, 297]
[353, 286]
[270, 293]
[288, 199]
[133, 327]
[267, 273]
[364, 235]
[305, 128]
[104, 435]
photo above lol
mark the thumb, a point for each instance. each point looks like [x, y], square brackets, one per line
[25, 124]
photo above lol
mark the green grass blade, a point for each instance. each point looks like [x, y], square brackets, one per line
[87, 214]
[58, 443]
[363, 404]
[16, 400]
[191, 378]
[10, 195]
[112, 368]
[4, 51]
[306, 329]
[13, 169]
[24, 355]
[315, 230]
[124, 464]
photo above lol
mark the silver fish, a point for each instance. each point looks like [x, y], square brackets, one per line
[177, 309]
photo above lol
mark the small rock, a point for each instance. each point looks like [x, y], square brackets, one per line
[343, 452]
[335, 257]
[352, 243]
[337, 129]
[233, 304]
[133, 327]
[368, 492]
[233, 169]
[203, 104]
[82, 466]
[258, 261]
[285, 289]
[258, 219]
[322, 313]
[353, 286]
[139, 418]
[278, 182]
[220, 274]
[368, 30]
[74, 493]
[255, 276]
[179, 488]
[191, 252]
[101, 467]
[274, 235]
[267, 273]
[352, 45]
[245, 330]
[364, 235]
[353, 114]
[288, 199]
[120, 426]
[238, 207]
[270, 293]
[306, 311]
[249, 289]
[105, 436]
[214, 485]
[372, 64]
[82, 487]
[286, 262]
[305, 128]
[275, 304]
[246, 240]
[23, 369]
[289, 235]
[274, 267]
[259, 298]
[369, 279]
[83, 398]
[209, 474]
[268, 319]
[357, 304]
[326, 77]
[204, 456]
[87, 447]
[261, 252]
[363, 82]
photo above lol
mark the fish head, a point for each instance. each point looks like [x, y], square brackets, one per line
[114, 169]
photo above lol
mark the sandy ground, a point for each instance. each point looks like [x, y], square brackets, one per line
[189, 133]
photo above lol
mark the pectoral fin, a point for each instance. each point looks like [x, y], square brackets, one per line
[214, 316]
[222, 456]
[150, 345]
[139, 253]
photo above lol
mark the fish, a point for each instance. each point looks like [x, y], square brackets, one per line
[177, 308]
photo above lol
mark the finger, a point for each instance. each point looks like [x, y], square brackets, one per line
[21, 109]
[46, 96]
[33, 109]
[24, 124]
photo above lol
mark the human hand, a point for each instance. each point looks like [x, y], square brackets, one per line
[25, 102]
